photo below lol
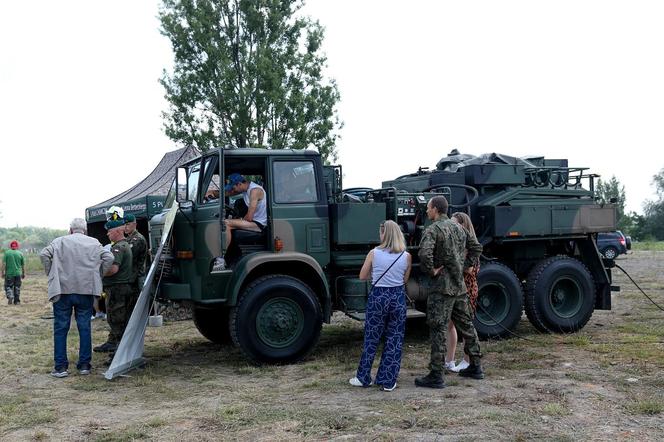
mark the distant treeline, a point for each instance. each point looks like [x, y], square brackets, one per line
[30, 238]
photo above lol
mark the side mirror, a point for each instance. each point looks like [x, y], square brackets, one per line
[181, 185]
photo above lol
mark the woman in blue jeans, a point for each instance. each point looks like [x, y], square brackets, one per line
[388, 266]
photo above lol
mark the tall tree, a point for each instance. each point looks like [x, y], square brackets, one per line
[248, 73]
[613, 190]
[654, 210]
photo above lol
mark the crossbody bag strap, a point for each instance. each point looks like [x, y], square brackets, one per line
[381, 276]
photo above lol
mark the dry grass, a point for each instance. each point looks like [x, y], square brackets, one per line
[604, 382]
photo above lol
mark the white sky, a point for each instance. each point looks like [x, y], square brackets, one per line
[80, 102]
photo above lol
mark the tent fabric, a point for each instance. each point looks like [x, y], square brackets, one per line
[140, 198]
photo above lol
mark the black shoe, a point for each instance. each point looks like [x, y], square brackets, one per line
[16, 302]
[473, 371]
[85, 369]
[106, 347]
[10, 301]
[432, 380]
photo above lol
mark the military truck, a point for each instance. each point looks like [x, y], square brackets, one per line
[536, 218]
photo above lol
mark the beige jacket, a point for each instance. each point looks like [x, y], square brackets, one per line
[74, 265]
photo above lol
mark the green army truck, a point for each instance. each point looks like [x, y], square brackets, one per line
[536, 219]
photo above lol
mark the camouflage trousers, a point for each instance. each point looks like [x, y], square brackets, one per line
[440, 309]
[13, 288]
[120, 302]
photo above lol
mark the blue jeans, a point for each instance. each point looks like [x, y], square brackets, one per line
[82, 306]
[385, 319]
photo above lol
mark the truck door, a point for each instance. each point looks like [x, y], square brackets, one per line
[299, 207]
[208, 215]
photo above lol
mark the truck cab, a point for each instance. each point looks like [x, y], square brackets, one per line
[278, 281]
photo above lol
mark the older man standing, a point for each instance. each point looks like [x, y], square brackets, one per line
[117, 285]
[74, 264]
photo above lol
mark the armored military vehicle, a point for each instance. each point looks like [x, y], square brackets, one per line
[536, 218]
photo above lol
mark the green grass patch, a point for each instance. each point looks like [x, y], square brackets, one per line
[125, 435]
[648, 407]
[651, 246]
[555, 409]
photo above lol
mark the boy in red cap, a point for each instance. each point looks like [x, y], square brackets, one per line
[13, 270]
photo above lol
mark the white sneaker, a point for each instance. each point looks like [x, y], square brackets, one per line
[451, 366]
[384, 388]
[355, 382]
[463, 364]
[219, 264]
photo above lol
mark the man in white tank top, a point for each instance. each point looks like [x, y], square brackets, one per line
[254, 197]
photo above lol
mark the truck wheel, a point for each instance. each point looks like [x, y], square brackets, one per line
[560, 295]
[499, 302]
[213, 324]
[610, 252]
[278, 319]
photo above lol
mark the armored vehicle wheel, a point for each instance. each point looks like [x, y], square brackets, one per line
[500, 301]
[278, 319]
[610, 252]
[213, 324]
[560, 295]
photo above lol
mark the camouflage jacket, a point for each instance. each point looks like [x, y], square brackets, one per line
[445, 243]
[139, 250]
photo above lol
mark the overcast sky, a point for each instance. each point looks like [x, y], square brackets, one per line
[80, 102]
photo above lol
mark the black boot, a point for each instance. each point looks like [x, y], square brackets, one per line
[433, 380]
[106, 347]
[474, 370]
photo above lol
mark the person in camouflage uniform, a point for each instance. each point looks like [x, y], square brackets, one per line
[139, 250]
[446, 251]
[117, 285]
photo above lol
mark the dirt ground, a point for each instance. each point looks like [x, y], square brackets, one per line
[603, 383]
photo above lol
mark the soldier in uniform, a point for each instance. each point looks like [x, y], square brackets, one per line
[139, 249]
[446, 251]
[117, 285]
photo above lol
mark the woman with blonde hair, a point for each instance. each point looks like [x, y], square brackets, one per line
[470, 279]
[388, 266]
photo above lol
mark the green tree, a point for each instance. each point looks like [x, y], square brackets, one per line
[654, 210]
[613, 190]
[247, 73]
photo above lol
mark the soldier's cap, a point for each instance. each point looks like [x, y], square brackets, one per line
[113, 223]
[233, 179]
[13, 245]
[129, 218]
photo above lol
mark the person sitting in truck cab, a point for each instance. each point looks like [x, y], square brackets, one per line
[254, 197]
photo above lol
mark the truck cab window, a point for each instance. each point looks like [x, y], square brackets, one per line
[192, 182]
[294, 182]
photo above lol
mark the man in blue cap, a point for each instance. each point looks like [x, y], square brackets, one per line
[254, 197]
[117, 285]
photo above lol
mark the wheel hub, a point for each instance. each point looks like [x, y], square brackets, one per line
[566, 297]
[494, 302]
[279, 322]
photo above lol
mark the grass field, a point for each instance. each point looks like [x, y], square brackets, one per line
[603, 383]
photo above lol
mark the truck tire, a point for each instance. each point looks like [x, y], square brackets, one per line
[560, 295]
[213, 324]
[610, 252]
[277, 320]
[499, 302]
